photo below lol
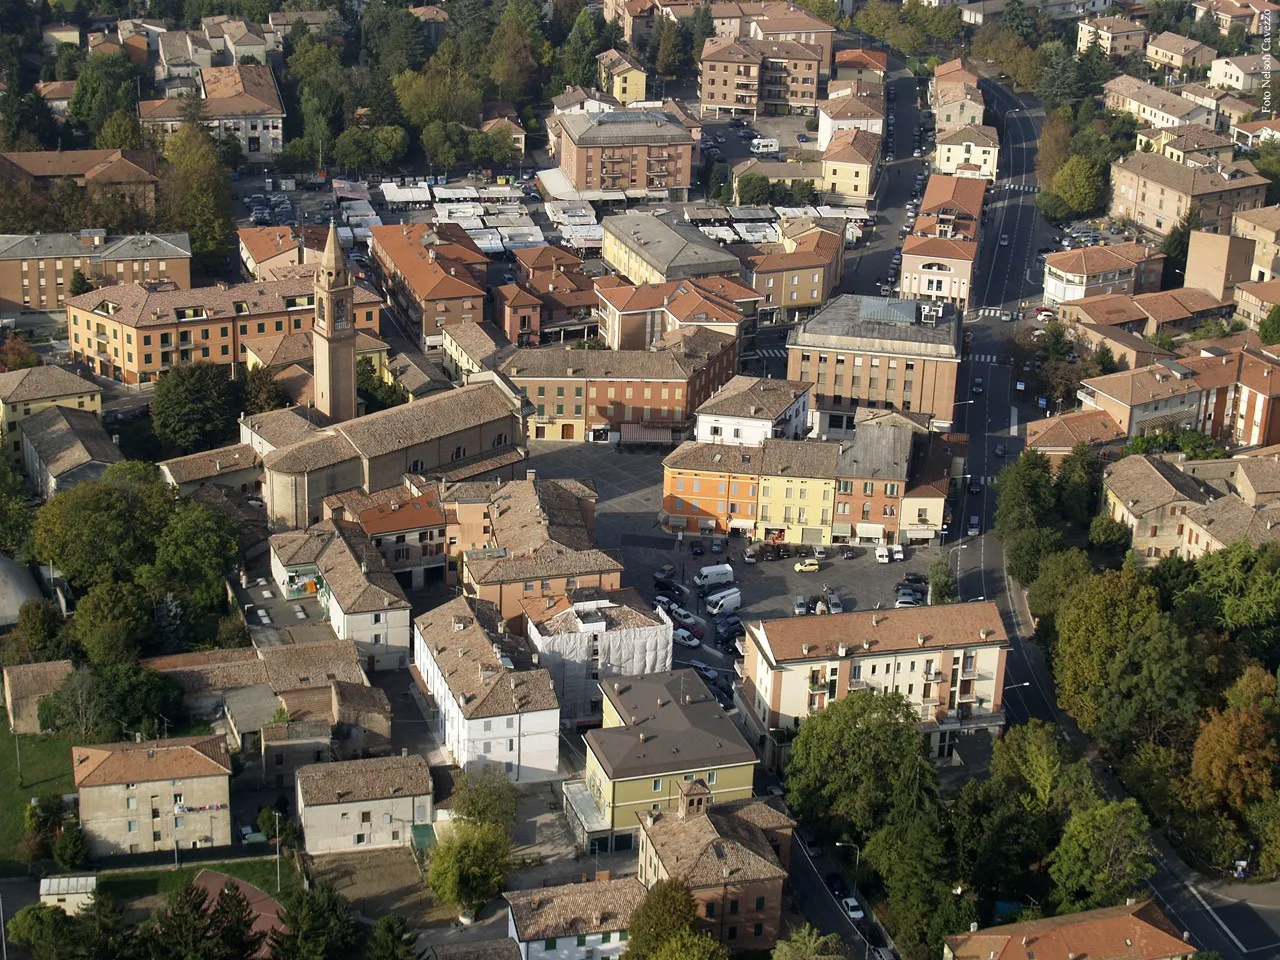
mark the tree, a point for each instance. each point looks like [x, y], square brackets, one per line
[71, 849]
[46, 931]
[1103, 857]
[194, 407]
[351, 151]
[445, 144]
[667, 911]
[391, 940]
[229, 151]
[445, 90]
[79, 284]
[232, 632]
[1079, 481]
[101, 930]
[856, 761]
[110, 623]
[806, 943]
[77, 708]
[106, 84]
[688, 945]
[1175, 247]
[231, 921]
[1269, 329]
[486, 795]
[35, 636]
[1059, 74]
[120, 131]
[1026, 549]
[1079, 183]
[1025, 497]
[674, 56]
[183, 928]
[317, 926]
[377, 393]
[198, 548]
[1109, 534]
[1234, 759]
[388, 146]
[95, 533]
[195, 195]
[753, 189]
[513, 63]
[1015, 20]
[468, 867]
[262, 391]
[15, 517]
[1060, 573]
[942, 585]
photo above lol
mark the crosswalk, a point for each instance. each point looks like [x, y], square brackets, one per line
[984, 358]
[1018, 187]
[985, 481]
[989, 311]
[771, 353]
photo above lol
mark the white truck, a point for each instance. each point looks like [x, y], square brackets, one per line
[764, 145]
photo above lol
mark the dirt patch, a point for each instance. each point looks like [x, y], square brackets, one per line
[380, 882]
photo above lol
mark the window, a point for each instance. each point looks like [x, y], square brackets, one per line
[582, 939]
[711, 778]
[733, 906]
[759, 906]
[758, 930]
[131, 803]
[179, 823]
[133, 826]
[657, 784]
[549, 943]
[711, 909]
[606, 938]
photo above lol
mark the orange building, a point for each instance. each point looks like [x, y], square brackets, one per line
[434, 280]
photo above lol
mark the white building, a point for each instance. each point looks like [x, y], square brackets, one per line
[747, 411]
[72, 894]
[363, 803]
[486, 702]
[574, 921]
[595, 636]
[1245, 74]
[968, 152]
[336, 561]
[850, 112]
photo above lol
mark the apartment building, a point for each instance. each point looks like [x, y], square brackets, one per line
[711, 488]
[1191, 145]
[266, 250]
[851, 166]
[637, 317]
[366, 804]
[130, 176]
[407, 525]
[1244, 73]
[1138, 929]
[741, 904]
[1176, 54]
[860, 107]
[1056, 437]
[1115, 36]
[641, 395]
[955, 97]
[1122, 268]
[661, 732]
[1154, 106]
[24, 393]
[132, 333]
[36, 270]
[551, 300]
[484, 699]
[645, 248]
[153, 797]
[1247, 507]
[968, 152]
[621, 76]
[1262, 226]
[865, 65]
[796, 275]
[746, 411]
[947, 661]
[797, 491]
[644, 152]
[873, 471]
[1256, 16]
[241, 101]
[434, 281]
[939, 255]
[573, 921]
[1175, 313]
[1254, 301]
[745, 77]
[877, 352]
[1151, 497]
[1156, 192]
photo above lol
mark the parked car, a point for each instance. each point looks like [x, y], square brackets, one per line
[852, 909]
[706, 672]
[850, 553]
[769, 553]
[808, 842]
[666, 603]
[904, 602]
[750, 555]
[999, 450]
[730, 626]
[835, 883]
[799, 606]
[808, 565]
[819, 553]
[682, 616]
[918, 579]
[977, 385]
[834, 604]
[784, 552]
[685, 638]
[801, 138]
[696, 548]
[975, 485]
[717, 546]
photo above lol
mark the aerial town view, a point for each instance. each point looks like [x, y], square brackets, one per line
[640, 479]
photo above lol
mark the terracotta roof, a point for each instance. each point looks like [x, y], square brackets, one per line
[43, 383]
[285, 349]
[430, 14]
[1136, 932]
[729, 843]
[1156, 382]
[853, 146]
[243, 90]
[1266, 217]
[23, 680]
[283, 427]
[357, 781]
[852, 107]
[939, 248]
[1146, 94]
[574, 909]
[294, 730]
[681, 297]
[480, 683]
[1191, 181]
[354, 571]
[56, 89]
[209, 464]
[266, 910]
[872, 59]
[96, 166]
[480, 342]
[759, 397]
[498, 949]
[976, 134]
[677, 358]
[178, 758]
[964, 624]
[411, 514]
[1229, 520]
[1064, 432]
[1088, 261]
[1175, 43]
[263, 243]
[211, 671]
[1168, 306]
[1145, 483]
[546, 258]
[435, 271]
[616, 63]
[65, 438]
[715, 458]
[961, 194]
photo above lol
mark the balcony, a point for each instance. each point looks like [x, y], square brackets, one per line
[740, 669]
[818, 686]
[741, 646]
[660, 157]
[973, 673]
[613, 157]
[931, 676]
[970, 696]
[858, 684]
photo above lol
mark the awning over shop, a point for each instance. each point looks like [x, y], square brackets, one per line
[707, 523]
[871, 531]
[736, 524]
[641, 433]
[919, 533]
[842, 530]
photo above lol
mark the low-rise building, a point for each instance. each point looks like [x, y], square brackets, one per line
[24, 393]
[1243, 73]
[851, 166]
[734, 856]
[1190, 144]
[470, 347]
[575, 921]
[25, 685]
[1152, 105]
[797, 491]
[1255, 16]
[622, 76]
[640, 317]
[968, 152]
[748, 77]
[1115, 36]
[364, 804]
[1056, 437]
[130, 176]
[63, 447]
[948, 662]
[242, 101]
[1253, 301]
[434, 281]
[290, 745]
[1174, 53]
[645, 248]
[1151, 497]
[1249, 135]
[711, 488]
[265, 250]
[595, 152]
[661, 732]
[868, 65]
[1136, 930]
[154, 796]
[938, 265]
[746, 411]
[1262, 226]
[860, 108]
[797, 274]
[1157, 192]
[486, 702]
[57, 94]
[407, 525]
[68, 894]
[1122, 268]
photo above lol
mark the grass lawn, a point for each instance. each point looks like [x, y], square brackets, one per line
[133, 885]
[46, 768]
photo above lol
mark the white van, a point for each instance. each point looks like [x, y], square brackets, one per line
[714, 575]
[899, 552]
[724, 601]
[882, 554]
[764, 145]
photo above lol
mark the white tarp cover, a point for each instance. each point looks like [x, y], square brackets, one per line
[456, 194]
[416, 194]
[457, 212]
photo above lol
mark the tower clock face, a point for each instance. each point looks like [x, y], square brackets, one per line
[340, 321]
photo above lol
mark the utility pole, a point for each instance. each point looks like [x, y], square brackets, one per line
[277, 813]
[18, 753]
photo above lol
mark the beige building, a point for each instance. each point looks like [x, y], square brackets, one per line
[1262, 226]
[1247, 506]
[30, 391]
[1216, 262]
[749, 77]
[1256, 16]
[1151, 497]
[1122, 268]
[363, 804]
[645, 248]
[25, 685]
[154, 796]
[859, 107]
[1154, 106]
[62, 447]
[240, 101]
[968, 152]
[938, 268]
[1190, 144]
[628, 150]
[851, 166]
[1138, 929]
[1175, 53]
[1243, 73]
[1115, 36]
[799, 273]
[1156, 192]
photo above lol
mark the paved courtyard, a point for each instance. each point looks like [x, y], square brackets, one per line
[381, 882]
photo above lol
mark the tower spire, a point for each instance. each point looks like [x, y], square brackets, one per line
[332, 263]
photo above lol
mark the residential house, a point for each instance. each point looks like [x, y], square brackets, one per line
[63, 447]
[1262, 226]
[866, 65]
[1122, 268]
[876, 352]
[290, 745]
[789, 173]
[235, 40]
[1254, 15]
[947, 662]
[366, 804]
[861, 107]
[796, 275]
[661, 732]
[734, 857]
[1151, 496]
[873, 472]
[1129, 350]
[407, 525]
[435, 20]
[551, 301]
[1156, 192]
[127, 176]
[1254, 301]
[711, 488]
[1248, 507]
[638, 317]
[435, 282]
[363, 601]
[647, 152]
[283, 22]
[36, 271]
[622, 76]
[153, 796]
[591, 636]
[797, 491]
[968, 152]
[501, 117]
[925, 511]
[1190, 144]
[1115, 36]
[1176, 54]
[1056, 437]
[1252, 134]
[30, 391]
[955, 97]
[57, 94]
[470, 347]
[746, 411]
[1137, 930]
[746, 77]
[573, 920]
[241, 101]
[25, 685]
[486, 701]
[1154, 106]
[851, 166]
[1243, 73]
[645, 248]
[265, 250]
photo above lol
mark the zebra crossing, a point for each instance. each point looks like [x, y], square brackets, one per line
[985, 481]
[985, 358]
[771, 353]
[989, 311]
[1019, 187]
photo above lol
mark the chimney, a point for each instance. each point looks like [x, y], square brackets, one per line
[602, 875]
[866, 644]
[431, 256]
[919, 639]
[973, 927]
[843, 649]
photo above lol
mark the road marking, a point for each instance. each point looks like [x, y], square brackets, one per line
[1013, 421]
[1213, 913]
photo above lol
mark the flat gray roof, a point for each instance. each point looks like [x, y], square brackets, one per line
[675, 249]
[855, 322]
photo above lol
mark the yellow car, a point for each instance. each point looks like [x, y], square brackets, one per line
[807, 566]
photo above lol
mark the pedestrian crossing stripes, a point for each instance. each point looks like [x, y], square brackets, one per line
[1021, 187]
[989, 311]
[985, 481]
[771, 353]
[984, 358]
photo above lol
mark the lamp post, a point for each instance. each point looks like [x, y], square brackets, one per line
[857, 862]
[277, 813]
[4, 941]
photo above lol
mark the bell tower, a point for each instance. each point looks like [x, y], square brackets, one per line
[333, 337]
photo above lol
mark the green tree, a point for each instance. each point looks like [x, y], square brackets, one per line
[351, 151]
[391, 940]
[229, 151]
[1025, 550]
[376, 392]
[445, 144]
[1079, 482]
[262, 391]
[857, 761]
[1025, 497]
[79, 284]
[1269, 329]
[72, 848]
[182, 928]
[1175, 247]
[942, 585]
[1109, 534]
[1060, 573]
[486, 795]
[106, 84]
[753, 189]
[120, 131]
[194, 407]
[444, 91]
[1103, 857]
[1053, 150]
[77, 708]
[1080, 184]
[1059, 74]
[111, 622]
[513, 63]
[667, 912]
[46, 931]
[138, 699]
[674, 54]
[1015, 21]
[195, 196]
[806, 943]
[197, 550]
[388, 146]
[231, 922]
[15, 517]
[689, 945]
[101, 930]
[317, 926]
[1235, 758]
[35, 636]
[468, 867]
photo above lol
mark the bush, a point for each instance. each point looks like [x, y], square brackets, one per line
[811, 125]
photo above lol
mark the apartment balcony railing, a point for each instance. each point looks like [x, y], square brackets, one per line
[931, 676]
[741, 646]
[740, 669]
[817, 686]
[858, 685]
[972, 673]
[613, 157]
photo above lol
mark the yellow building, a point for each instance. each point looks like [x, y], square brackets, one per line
[645, 249]
[659, 731]
[849, 166]
[24, 392]
[797, 489]
[621, 76]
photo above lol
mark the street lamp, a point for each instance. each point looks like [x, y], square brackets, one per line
[277, 813]
[1015, 686]
[857, 862]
